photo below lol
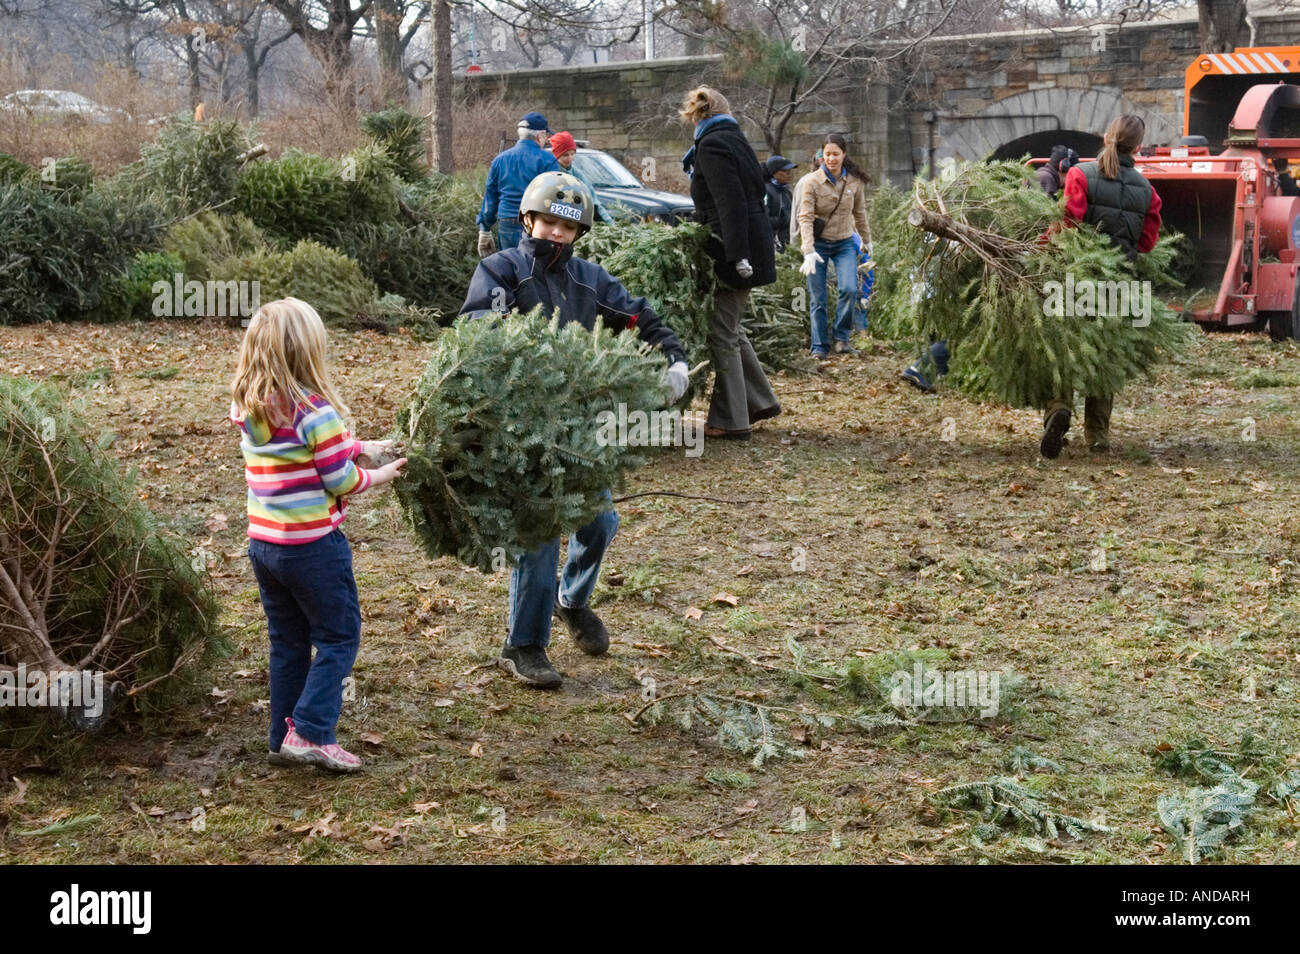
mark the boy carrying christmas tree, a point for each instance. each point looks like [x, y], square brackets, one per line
[556, 210]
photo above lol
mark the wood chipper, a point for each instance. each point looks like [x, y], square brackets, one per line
[1219, 187]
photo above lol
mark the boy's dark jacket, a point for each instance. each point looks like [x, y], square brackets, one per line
[541, 272]
[728, 191]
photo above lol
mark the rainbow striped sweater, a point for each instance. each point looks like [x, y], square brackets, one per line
[299, 476]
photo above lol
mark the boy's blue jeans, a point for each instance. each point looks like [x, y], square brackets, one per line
[310, 598]
[844, 258]
[533, 586]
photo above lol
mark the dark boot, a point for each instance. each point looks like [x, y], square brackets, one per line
[585, 627]
[529, 665]
[1055, 423]
[1096, 422]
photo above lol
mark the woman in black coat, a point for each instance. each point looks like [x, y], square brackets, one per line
[728, 190]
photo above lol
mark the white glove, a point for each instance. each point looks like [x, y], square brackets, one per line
[678, 380]
[744, 269]
[810, 263]
[486, 246]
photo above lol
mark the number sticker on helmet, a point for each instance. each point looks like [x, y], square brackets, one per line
[566, 211]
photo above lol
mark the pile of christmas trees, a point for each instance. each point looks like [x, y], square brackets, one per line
[1027, 318]
[670, 266]
[508, 435]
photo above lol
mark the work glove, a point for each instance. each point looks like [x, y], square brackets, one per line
[677, 380]
[744, 269]
[486, 246]
[810, 263]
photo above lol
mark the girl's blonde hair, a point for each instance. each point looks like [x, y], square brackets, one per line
[1123, 135]
[283, 355]
[703, 102]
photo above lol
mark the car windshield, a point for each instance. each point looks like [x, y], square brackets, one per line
[603, 172]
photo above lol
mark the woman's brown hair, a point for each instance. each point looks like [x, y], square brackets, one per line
[851, 167]
[1123, 135]
[703, 102]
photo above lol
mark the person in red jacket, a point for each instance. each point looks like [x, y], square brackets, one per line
[1112, 195]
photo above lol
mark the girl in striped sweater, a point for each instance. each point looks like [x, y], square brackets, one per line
[299, 464]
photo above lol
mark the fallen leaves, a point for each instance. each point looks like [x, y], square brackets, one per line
[323, 827]
[725, 598]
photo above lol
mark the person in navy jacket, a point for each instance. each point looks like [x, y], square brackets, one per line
[556, 209]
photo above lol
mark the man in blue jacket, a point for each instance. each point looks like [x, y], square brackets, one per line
[508, 177]
[556, 209]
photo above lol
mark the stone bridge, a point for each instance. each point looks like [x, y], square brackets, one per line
[999, 95]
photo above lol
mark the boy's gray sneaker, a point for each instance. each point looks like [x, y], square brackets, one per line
[585, 627]
[530, 666]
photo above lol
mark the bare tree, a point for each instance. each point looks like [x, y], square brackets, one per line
[784, 53]
[393, 24]
[328, 27]
[1222, 23]
[442, 121]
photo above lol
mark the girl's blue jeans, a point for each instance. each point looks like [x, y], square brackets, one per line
[533, 586]
[844, 258]
[310, 599]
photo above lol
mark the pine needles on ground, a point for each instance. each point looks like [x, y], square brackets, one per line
[504, 433]
[1203, 819]
[1005, 802]
[1021, 761]
[1026, 320]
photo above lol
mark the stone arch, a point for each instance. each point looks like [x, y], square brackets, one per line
[1025, 116]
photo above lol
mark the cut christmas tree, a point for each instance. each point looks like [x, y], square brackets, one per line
[1026, 318]
[90, 585]
[508, 435]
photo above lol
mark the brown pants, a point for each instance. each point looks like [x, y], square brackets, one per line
[1096, 418]
[740, 388]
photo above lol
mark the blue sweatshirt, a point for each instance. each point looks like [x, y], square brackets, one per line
[508, 177]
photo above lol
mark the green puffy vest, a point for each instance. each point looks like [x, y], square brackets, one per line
[1118, 206]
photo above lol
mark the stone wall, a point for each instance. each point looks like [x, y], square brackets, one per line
[986, 92]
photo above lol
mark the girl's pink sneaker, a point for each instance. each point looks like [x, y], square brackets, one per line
[333, 757]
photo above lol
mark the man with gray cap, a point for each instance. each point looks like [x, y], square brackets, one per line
[508, 177]
[778, 198]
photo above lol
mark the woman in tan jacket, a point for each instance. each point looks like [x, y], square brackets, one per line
[835, 196]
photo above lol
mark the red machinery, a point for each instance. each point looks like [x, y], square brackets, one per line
[1229, 204]
[1246, 234]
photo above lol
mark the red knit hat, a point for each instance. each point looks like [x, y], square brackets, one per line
[561, 143]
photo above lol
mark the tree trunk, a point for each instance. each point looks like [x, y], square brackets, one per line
[388, 39]
[196, 77]
[335, 55]
[1222, 23]
[442, 127]
[252, 76]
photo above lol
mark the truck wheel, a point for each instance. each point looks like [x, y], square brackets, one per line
[1283, 325]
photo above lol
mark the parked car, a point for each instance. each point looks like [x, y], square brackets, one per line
[623, 196]
[60, 105]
